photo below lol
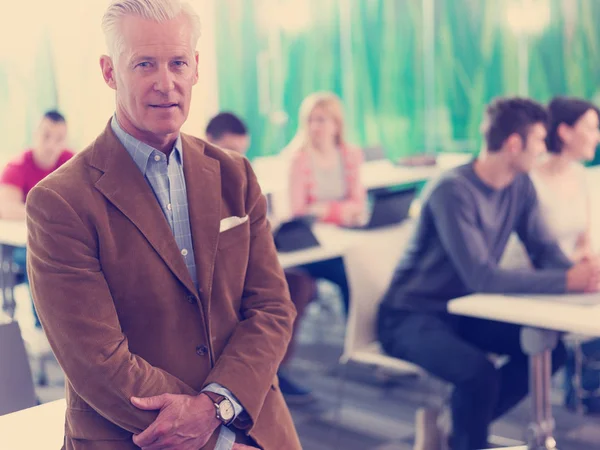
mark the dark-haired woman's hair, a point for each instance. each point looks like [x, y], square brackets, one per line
[567, 110]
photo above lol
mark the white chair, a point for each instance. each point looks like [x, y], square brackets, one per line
[372, 263]
[16, 385]
[379, 257]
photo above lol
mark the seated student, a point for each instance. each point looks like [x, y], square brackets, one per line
[228, 131]
[325, 169]
[325, 177]
[466, 219]
[560, 180]
[564, 195]
[29, 168]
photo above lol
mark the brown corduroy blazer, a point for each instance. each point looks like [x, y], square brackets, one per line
[119, 306]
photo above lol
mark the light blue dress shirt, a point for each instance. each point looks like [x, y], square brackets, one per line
[165, 177]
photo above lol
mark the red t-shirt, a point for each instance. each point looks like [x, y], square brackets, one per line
[24, 174]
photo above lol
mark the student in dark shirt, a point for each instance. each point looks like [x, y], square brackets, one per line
[466, 219]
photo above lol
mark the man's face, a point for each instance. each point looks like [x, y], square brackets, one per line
[237, 142]
[49, 141]
[531, 150]
[153, 76]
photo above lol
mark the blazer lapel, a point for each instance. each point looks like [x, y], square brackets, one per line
[203, 186]
[126, 188]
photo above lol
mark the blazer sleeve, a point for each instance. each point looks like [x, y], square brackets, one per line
[77, 312]
[249, 362]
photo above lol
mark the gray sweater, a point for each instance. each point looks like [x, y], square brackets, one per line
[461, 235]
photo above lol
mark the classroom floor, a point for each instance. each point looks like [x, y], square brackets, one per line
[377, 411]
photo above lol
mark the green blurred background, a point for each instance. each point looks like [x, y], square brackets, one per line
[414, 75]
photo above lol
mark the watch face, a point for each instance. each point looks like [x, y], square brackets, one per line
[226, 410]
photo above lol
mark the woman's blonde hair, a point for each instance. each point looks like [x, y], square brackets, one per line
[332, 104]
[157, 10]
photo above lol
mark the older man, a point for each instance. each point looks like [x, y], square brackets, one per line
[153, 267]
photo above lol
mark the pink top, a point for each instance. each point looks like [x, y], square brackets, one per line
[23, 172]
[302, 184]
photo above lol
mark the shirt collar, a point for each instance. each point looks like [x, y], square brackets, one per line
[141, 152]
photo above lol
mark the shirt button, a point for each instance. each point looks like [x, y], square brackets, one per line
[156, 158]
[169, 207]
[184, 252]
[201, 350]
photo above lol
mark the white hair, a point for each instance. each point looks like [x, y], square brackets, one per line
[157, 10]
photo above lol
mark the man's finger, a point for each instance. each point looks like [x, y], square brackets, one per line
[150, 435]
[149, 403]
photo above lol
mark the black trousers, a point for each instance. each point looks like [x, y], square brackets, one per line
[455, 349]
[331, 270]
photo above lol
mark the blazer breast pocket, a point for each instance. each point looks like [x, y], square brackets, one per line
[238, 235]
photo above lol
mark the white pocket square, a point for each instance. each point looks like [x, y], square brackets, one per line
[230, 222]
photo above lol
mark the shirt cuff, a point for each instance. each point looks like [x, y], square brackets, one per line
[226, 439]
[218, 389]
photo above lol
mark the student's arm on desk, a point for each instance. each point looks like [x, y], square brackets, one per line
[456, 220]
[11, 203]
[78, 315]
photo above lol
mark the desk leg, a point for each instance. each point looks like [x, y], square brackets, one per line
[7, 280]
[541, 429]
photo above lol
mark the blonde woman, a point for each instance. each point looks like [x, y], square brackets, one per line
[325, 169]
[324, 182]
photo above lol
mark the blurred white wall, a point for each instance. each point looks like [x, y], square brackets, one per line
[76, 40]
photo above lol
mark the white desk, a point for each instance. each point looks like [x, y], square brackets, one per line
[334, 242]
[13, 232]
[544, 312]
[41, 428]
[383, 173]
[272, 173]
[569, 313]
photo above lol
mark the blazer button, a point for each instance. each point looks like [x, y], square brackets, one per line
[190, 299]
[201, 350]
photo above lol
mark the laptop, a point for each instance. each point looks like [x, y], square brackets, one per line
[390, 207]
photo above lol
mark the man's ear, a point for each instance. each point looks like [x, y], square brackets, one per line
[514, 143]
[196, 70]
[108, 71]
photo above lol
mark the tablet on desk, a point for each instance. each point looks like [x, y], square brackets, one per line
[295, 234]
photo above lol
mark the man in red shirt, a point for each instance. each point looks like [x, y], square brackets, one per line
[30, 167]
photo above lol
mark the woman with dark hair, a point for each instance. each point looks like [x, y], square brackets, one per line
[560, 180]
[572, 139]
[564, 199]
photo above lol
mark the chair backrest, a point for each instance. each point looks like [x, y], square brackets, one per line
[16, 384]
[370, 268]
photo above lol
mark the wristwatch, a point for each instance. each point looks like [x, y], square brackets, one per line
[224, 407]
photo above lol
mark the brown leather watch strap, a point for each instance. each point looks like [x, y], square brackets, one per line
[216, 398]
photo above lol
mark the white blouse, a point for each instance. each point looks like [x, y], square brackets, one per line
[566, 215]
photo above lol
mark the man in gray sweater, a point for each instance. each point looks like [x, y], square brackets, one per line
[466, 219]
